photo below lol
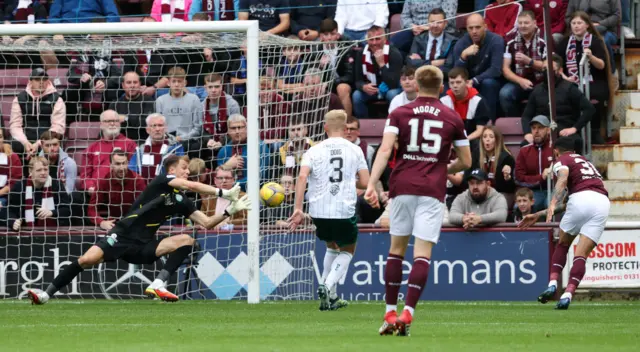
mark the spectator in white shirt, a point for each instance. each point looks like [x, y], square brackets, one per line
[355, 17]
[409, 88]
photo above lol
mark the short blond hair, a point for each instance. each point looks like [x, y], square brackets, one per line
[196, 166]
[429, 79]
[177, 72]
[335, 119]
[38, 159]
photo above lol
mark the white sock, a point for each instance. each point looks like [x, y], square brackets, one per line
[334, 290]
[156, 284]
[391, 308]
[329, 256]
[566, 295]
[410, 310]
[553, 283]
[338, 268]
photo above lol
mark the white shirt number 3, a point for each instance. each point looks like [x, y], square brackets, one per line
[431, 141]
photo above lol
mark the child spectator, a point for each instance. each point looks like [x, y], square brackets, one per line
[524, 202]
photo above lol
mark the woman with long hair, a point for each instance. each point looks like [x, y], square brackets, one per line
[494, 158]
[584, 40]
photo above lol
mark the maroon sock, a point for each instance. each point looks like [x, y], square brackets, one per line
[417, 280]
[393, 278]
[575, 275]
[558, 260]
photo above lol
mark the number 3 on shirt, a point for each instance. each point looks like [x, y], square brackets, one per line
[427, 137]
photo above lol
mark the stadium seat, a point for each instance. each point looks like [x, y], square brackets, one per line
[395, 24]
[84, 130]
[512, 132]
[14, 80]
[371, 130]
[461, 21]
[79, 157]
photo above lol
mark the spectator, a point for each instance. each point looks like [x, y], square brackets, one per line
[217, 112]
[409, 88]
[183, 111]
[171, 10]
[434, 46]
[573, 109]
[556, 12]
[355, 18]
[416, 16]
[38, 200]
[496, 161]
[223, 10]
[625, 8]
[83, 11]
[239, 79]
[585, 40]
[455, 183]
[467, 103]
[148, 158]
[198, 172]
[523, 64]
[37, 109]
[20, 11]
[524, 204]
[224, 179]
[115, 192]
[534, 162]
[273, 111]
[501, 17]
[133, 107]
[481, 53]
[272, 15]
[307, 17]
[341, 66]
[233, 156]
[10, 169]
[601, 16]
[352, 134]
[311, 103]
[377, 72]
[279, 215]
[98, 154]
[61, 167]
[480, 205]
[290, 154]
[291, 69]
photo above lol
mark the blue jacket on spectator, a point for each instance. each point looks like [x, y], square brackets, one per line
[487, 63]
[229, 150]
[196, 6]
[82, 11]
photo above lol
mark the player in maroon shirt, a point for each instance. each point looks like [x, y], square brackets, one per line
[425, 130]
[586, 214]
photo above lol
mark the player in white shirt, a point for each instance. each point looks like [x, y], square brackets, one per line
[333, 167]
[409, 88]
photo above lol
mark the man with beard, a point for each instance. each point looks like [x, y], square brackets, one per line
[133, 107]
[573, 109]
[61, 166]
[480, 205]
[98, 155]
[115, 192]
[533, 164]
[290, 154]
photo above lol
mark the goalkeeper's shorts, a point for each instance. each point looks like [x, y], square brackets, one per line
[115, 248]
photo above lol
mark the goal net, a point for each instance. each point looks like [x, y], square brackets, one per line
[74, 98]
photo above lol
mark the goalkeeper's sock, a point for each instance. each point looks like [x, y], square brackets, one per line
[173, 263]
[558, 261]
[392, 280]
[64, 278]
[329, 256]
[417, 282]
[338, 268]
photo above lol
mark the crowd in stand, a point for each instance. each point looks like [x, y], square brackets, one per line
[154, 102]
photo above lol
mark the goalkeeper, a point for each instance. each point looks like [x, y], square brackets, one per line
[133, 237]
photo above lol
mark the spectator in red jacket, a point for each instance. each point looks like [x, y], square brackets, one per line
[10, 169]
[501, 16]
[115, 192]
[533, 165]
[98, 160]
[557, 11]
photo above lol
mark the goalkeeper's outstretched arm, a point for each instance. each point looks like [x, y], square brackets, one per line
[210, 222]
[186, 185]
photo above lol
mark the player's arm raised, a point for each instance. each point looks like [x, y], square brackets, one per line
[379, 165]
[186, 185]
[210, 222]
[301, 185]
[559, 192]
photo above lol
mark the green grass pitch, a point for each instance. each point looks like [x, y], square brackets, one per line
[134, 325]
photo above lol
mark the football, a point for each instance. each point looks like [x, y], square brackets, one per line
[272, 194]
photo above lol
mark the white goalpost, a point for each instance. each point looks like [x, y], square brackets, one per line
[276, 265]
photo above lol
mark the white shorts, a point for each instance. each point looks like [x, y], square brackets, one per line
[586, 214]
[416, 215]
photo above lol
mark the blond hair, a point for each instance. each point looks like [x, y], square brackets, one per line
[177, 72]
[429, 79]
[196, 167]
[497, 150]
[38, 159]
[335, 119]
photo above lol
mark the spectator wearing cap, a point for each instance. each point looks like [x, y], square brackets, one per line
[480, 205]
[533, 164]
[573, 109]
[37, 109]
